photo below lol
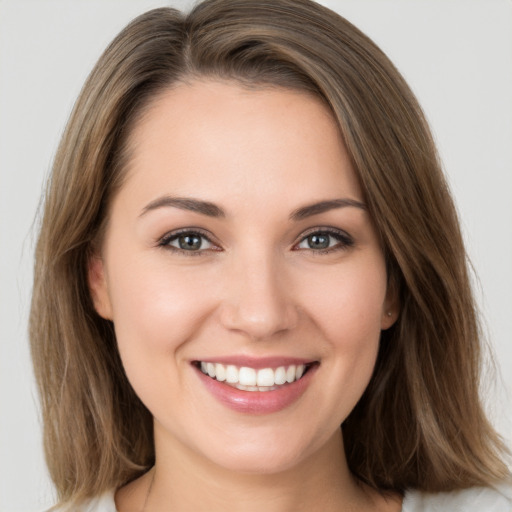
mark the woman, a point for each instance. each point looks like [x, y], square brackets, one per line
[264, 249]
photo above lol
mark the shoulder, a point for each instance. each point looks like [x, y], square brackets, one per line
[103, 503]
[475, 499]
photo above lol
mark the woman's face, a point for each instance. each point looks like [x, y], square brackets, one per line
[239, 245]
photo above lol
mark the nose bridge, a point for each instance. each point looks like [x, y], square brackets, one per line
[258, 300]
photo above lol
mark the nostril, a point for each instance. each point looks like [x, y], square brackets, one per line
[259, 319]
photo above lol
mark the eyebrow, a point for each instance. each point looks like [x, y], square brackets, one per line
[185, 203]
[324, 206]
[212, 210]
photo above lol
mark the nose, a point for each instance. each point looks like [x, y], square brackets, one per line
[258, 299]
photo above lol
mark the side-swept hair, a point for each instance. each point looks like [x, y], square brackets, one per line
[420, 423]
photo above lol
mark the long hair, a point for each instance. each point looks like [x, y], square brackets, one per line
[420, 423]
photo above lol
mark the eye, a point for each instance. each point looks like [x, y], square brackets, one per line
[187, 241]
[325, 241]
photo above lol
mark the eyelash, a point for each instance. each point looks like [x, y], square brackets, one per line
[165, 241]
[343, 239]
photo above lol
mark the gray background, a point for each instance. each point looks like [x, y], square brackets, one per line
[456, 55]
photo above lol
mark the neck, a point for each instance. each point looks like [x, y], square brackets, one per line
[322, 481]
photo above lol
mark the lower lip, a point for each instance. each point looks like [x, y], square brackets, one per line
[257, 402]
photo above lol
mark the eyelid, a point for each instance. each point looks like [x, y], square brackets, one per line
[342, 236]
[344, 239]
[164, 240]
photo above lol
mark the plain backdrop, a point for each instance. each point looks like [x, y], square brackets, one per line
[456, 55]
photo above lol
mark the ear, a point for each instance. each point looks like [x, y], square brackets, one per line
[98, 286]
[391, 308]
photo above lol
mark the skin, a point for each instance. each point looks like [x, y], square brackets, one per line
[256, 288]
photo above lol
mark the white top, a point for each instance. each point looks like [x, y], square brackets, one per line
[477, 499]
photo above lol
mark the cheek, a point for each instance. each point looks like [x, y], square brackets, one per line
[347, 307]
[156, 309]
[347, 302]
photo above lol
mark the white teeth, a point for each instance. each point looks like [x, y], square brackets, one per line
[247, 388]
[280, 376]
[254, 388]
[232, 374]
[265, 377]
[250, 379]
[247, 376]
[220, 372]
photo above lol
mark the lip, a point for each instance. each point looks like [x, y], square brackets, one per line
[257, 402]
[258, 362]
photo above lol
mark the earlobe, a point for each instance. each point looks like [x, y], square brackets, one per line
[98, 287]
[391, 308]
[389, 317]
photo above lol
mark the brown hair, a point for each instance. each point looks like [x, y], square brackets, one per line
[420, 423]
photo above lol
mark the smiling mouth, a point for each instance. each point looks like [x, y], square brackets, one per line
[245, 378]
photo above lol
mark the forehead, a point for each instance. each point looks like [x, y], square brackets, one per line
[219, 140]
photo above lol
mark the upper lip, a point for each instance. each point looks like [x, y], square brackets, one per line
[257, 362]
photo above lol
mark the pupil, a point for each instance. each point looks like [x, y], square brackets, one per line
[318, 241]
[190, 242]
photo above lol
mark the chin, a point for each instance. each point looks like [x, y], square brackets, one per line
[265, 455]
[258, 463]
